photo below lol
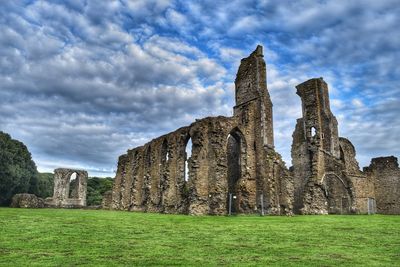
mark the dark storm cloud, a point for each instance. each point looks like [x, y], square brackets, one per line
[82, 81]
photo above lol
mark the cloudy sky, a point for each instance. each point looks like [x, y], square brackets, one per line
[83, 81]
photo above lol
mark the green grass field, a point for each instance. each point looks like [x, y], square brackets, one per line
[57, 237]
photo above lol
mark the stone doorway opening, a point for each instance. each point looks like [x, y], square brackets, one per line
[338, 194]
[235, 157]
[73, 186]
[188, 155]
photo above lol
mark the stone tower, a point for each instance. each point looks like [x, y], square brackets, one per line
[251, 89]
[260, 183]
[316, 154]
[319, 126]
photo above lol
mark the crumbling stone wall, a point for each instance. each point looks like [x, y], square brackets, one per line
[362, 184]
[106, 201]
[320, 180]
[231, 156]
[26, 201]
[67, 194]
[385, 175]
[327, 177]
[233, 164]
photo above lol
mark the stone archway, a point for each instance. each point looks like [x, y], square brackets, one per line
[236, 155]
[338, 194]
[188, 155]
[69, 193]
[73, 185]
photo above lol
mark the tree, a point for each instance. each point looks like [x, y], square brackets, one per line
[18, 173]
[45, 185]
[96, 187]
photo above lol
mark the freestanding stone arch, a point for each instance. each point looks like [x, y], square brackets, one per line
[63, 186]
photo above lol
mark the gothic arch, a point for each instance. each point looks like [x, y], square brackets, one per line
[339, 194]
[236, 162]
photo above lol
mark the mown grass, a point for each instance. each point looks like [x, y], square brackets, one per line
[57, 237]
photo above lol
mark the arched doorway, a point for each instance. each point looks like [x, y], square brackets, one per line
[73, 186]
[338, 195]
[164, 152]
[236, 155]
[188, 155]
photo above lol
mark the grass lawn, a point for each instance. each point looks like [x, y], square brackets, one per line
[40, 237]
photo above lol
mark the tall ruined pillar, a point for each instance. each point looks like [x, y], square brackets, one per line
[315, 138]
[251, 87]
[261, 177]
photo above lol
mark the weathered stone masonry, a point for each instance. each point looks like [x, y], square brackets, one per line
[327, 177]
[235, 155]
[67, 193]
[229, 155]
[384, 173]
[319, 174]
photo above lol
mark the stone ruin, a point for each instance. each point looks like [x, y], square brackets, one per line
[234, 168]
[326, 174]
[25, 200]
[383, 177]
[232, 160]
[70, 188]
[107, 200]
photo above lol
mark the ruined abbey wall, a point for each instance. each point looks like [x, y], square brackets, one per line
[327, 177]
[384, 172]
[152, 177]
[321, 186]
[233, 167]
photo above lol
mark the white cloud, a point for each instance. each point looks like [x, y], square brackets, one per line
[337, 103]
[357, 103]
